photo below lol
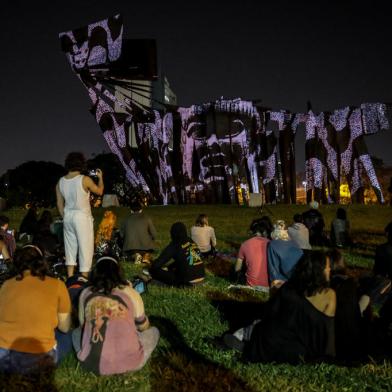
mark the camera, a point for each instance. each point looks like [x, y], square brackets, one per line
[93, 173]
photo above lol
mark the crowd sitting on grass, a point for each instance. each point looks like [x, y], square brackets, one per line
[315, 311]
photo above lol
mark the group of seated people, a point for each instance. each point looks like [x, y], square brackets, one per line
[315, 311]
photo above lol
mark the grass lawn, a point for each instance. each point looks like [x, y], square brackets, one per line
[184, 361]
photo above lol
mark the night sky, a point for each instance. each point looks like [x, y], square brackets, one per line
[285, 53]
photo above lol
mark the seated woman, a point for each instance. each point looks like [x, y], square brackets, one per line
[105, 240]
[117, 337]
[182, 259]
[204, 236]
[32, 305]
[297, 322]
[340, 229]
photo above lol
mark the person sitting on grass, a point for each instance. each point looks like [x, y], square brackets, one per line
[139, 234]
[32, 306]
[299, 233]
[283, 255]
[115, 335]
[180, 263]
[7, 235]
[314, 221]
[298, 321]
[383, 256]
[106, 240]
[254, 272]
[340, 229]
[28, 226]
[204, 236]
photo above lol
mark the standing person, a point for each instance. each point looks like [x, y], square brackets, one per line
[254, 253]
[73, 202]
[314, 221]
[115, 334]
[187, 268]
[299, 233]
[32, 305]
[340, 229]
[139, 234]
[204, 236]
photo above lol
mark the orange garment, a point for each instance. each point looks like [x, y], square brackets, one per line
[28, 313]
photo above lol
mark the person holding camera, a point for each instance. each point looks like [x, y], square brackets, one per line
[73, 202]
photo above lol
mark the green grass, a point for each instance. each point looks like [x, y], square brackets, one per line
[184, 361]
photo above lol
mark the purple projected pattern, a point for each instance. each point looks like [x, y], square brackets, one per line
[322, 163]
[95, 44]
[222, 142]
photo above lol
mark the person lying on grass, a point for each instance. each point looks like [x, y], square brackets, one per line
[298, 321]
[32, 305]
[117, 336]
[180, 263]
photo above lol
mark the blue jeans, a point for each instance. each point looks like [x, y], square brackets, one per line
[12, 361]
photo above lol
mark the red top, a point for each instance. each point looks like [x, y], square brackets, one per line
[254, 253]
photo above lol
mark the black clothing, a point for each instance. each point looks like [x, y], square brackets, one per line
[313, 220]
[383, 260]
[348, 321]
[187, 264]
[291, 330]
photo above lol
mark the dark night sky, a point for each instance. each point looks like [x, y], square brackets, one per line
[334, 54]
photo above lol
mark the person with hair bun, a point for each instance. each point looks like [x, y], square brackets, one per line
[32, 306]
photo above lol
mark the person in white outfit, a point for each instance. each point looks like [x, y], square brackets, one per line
[73, 202]
[204, 235]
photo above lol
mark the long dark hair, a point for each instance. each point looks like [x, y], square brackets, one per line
[178, 233]
[106, 275]
[31, 258]
[308, 277]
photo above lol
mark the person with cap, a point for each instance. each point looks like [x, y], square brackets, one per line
[180, 263]
[314, 221]
[283, 255]
[251, 265]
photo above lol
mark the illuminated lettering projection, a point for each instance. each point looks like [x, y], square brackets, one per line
[213, 148]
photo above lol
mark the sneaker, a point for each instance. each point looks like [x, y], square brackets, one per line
[232, 342]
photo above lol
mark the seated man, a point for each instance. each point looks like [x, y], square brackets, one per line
[180, 263]
[283, 255]
[314, 221]
[383, 257]
[139, 234]
[299, 233]
[254, 252]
